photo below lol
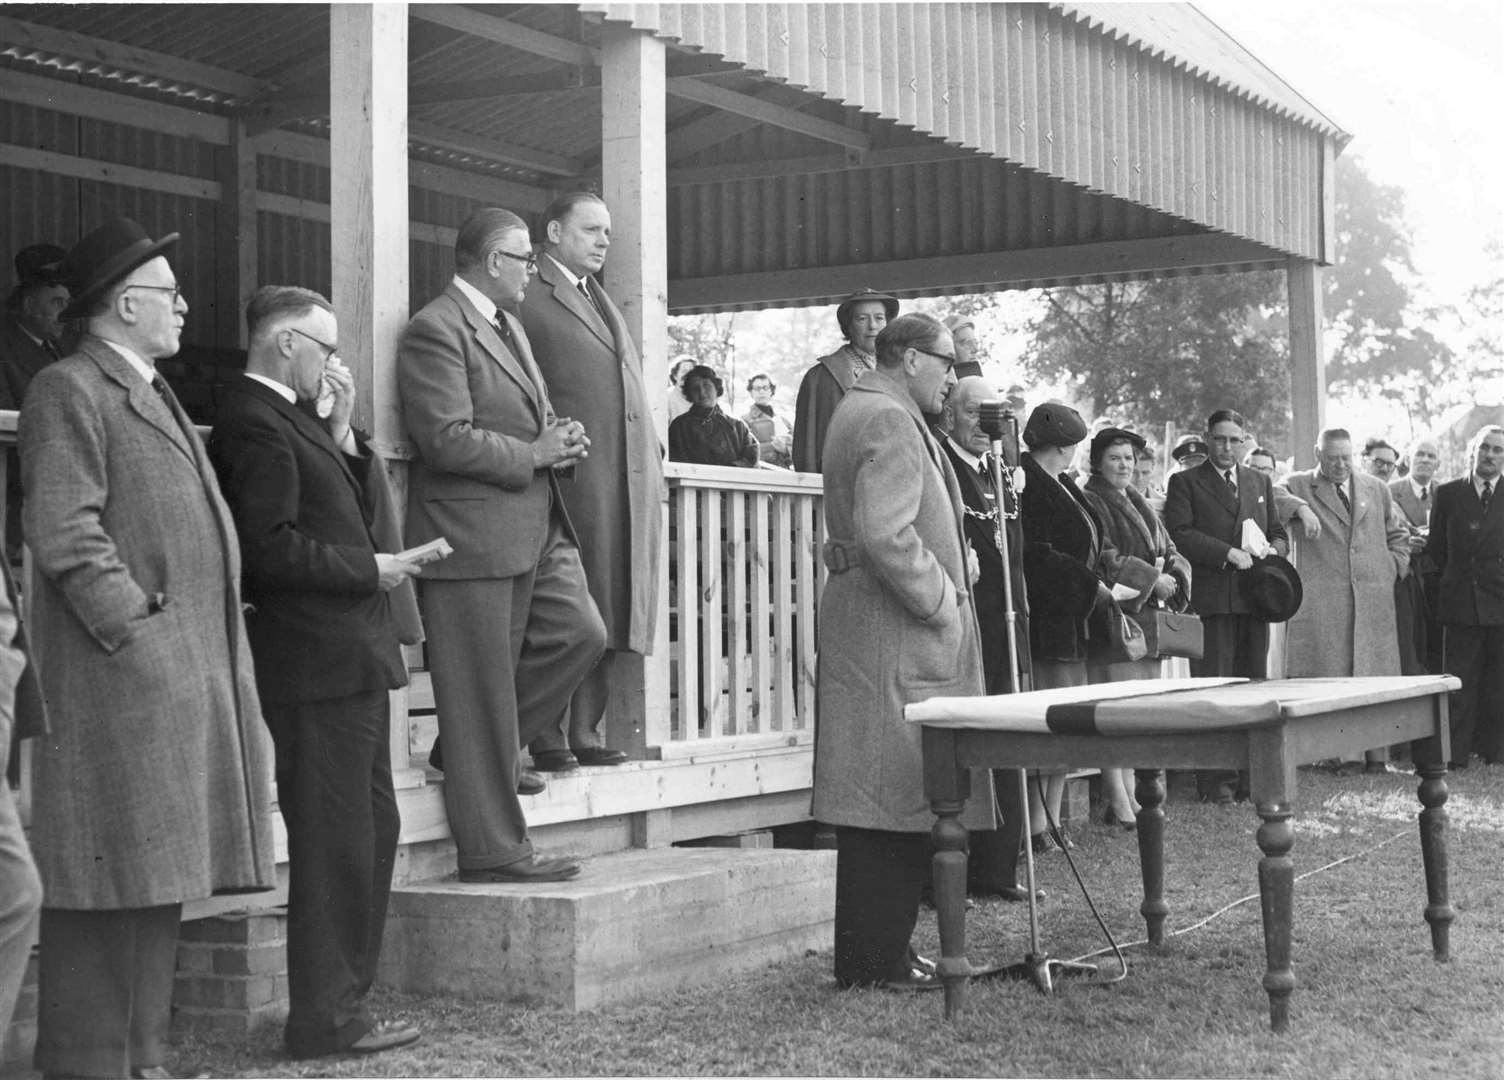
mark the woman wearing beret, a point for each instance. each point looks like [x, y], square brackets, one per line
[705, 435]
[861, 317]
[1069, 564]
[1135, 530]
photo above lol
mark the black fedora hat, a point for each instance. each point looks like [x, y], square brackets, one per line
[1271, 588]
[843, 311]
[105, 256]
[39, 264]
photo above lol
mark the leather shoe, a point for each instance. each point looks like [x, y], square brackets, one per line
[158, 1072]
[436, 754]
[523, 871]
[530, 783]
[555, 761]
[387, 1035]
[1014, 894]
[599, 755]
[912, 980]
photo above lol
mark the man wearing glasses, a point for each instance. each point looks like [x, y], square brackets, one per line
[1205, 509]
[512, 629]
[1380, 459]
[324, 637]
[150, 789]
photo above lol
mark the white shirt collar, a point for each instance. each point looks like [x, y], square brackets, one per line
[483, 303]
[964, 454]
[574, 279]
[285, 392]
[145, 370]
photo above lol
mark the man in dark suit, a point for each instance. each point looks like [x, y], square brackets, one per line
[1467, 547]
[512, 629]
[152, 787]
[326, 652]
[32, 331]
[993, 863]
[1205, 508]
[1415, 595]
[616, 498]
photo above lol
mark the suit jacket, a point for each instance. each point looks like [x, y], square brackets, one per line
[20, 360]
[320, 625]
[981, 534]
[473, 408]
[1417, 513]
[616, 497]
[153, 785]
[1346, 623]
[1205, 520]
[897, 625]
[1467, 546]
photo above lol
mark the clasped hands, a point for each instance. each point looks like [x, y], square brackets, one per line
[561, 444]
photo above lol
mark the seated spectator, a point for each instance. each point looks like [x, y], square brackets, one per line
[705, 435]
[677, 406]
[774, 434]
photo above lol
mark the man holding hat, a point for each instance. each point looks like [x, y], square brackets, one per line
[861, 316]
[153, 786]
[1205, 508]
[33, 328]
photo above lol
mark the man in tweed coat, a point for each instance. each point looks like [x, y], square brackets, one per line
[152, 787]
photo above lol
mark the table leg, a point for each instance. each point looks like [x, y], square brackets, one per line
[1433, 854]
[949, 863]
[1149, 787]
[1276, 895]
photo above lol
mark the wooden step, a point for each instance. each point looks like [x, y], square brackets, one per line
[633, 924]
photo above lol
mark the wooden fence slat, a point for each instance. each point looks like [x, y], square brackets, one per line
[687, 521]
[711, 653]
[806, 590]
[782, 541]
[736, 637]
[763, 718]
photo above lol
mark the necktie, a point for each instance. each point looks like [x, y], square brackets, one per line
[1231, 483]
[590, 298]
[1425, 493]
[1488, 493]
[50, 348]
[159, 384]
[503, 331]
[1346, 502]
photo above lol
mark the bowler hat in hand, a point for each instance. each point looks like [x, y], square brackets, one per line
[1271, 588]
[103, 258]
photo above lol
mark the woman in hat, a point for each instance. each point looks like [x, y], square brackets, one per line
[1135, 530]
[1069, 564]
[705, 435]
[861, 317]
[677, 405]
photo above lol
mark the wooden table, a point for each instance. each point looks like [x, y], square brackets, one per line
[1150, 725]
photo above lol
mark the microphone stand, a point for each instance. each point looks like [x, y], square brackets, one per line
[1037, 965]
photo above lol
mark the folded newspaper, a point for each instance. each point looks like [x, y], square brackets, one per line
[1254, 540]
[424, 554]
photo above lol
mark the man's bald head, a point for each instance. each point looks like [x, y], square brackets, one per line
[962, 408]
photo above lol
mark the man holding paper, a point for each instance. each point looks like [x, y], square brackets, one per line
[324, 607]
[1221, 516]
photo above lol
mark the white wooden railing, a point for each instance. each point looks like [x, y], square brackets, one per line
[742, 581]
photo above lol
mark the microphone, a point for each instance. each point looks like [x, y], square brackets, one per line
[993, 417]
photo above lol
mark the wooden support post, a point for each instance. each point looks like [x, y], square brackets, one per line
[237, 233]
[368, 221]
[635, 187]
[1307, 360]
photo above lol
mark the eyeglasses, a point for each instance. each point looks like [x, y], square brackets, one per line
[329, 350]
[950, 361]
[530, 259]
[1383, 465]
[176, 290]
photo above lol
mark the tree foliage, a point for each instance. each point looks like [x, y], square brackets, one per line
[1170, 350]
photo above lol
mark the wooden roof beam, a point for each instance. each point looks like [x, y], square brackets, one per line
[129, 58]
[492, 150]
[824, 163]
[504, 32]
[765, 112]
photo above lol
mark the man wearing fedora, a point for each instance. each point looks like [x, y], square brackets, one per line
[1205, 508]
[861, 316]
[152, 787]
[32, 333]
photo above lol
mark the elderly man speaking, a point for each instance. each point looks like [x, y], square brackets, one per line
[896, 626]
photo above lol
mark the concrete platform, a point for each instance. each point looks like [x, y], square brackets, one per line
[634, 923]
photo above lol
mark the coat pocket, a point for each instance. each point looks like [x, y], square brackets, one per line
[931, 655]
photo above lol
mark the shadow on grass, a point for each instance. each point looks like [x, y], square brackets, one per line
[1370, 1002]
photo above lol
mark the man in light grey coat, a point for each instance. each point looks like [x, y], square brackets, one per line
[152, 787]
[1346, 625]
[897, 625]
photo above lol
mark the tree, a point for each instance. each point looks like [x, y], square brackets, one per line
[1170, 350]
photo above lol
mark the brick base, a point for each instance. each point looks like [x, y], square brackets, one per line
[232, 974]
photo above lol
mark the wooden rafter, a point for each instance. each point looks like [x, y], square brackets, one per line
[707, 129]
[504, 32]
[764, 111]
[824, 163]
[129, 58]
[492, 149]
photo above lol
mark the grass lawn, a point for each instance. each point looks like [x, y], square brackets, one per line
[1370, 1002]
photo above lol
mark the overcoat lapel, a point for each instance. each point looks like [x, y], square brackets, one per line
[1326, 491]
[143, 400]
[567, 295]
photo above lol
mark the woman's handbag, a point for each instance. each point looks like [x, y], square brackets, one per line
[1125, 639]
[1171, 633]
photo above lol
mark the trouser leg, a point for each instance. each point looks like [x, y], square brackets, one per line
[879, 877]
[20, 897]
[105, 989]
[1465, 658]
[564, 639]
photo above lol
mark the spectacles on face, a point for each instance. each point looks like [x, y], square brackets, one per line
[1225, 440]
[329, 350]
[949, 361]
[176, 290]
[1383, 464]
[529, 260]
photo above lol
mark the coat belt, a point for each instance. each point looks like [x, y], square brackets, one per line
[842, 555]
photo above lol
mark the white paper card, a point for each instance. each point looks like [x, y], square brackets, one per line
[1254, 541]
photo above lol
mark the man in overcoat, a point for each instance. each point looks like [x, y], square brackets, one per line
[1346, 623]
[1467, 547]
[152, 787]
[511, 627]
[615, 499]
[325, 642]
[1205, 508]
[897, 625]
